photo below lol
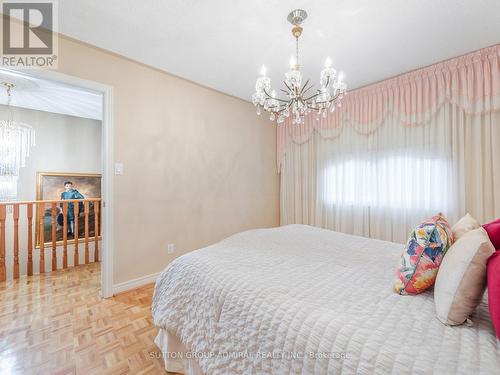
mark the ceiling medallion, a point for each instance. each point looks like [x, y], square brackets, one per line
[299, 100]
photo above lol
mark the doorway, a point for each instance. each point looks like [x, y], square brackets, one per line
[94, 212]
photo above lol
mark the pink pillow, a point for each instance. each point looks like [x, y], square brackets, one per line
[494, 290]
[493, 230]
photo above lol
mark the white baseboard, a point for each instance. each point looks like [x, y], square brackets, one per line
[135, 283]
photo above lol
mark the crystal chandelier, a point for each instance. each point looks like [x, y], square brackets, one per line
[16, 139]
[299, 99]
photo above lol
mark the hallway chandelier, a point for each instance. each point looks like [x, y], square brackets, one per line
[16, 139]
[299, 100]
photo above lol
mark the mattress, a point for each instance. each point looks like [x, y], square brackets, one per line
[176, 356]
[304, 300]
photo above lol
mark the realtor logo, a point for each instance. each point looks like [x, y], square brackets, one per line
[29, 34]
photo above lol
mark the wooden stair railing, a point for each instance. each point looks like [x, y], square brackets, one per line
[40, 230]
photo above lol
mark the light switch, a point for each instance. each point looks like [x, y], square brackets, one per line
[118, 169]
[170, 248]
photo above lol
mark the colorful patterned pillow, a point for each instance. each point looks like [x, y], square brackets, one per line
[426, 247]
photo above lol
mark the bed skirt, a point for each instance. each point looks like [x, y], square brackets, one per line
[175, 355]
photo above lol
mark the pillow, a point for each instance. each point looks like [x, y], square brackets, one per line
[461, 279]
[493, 230]
[422, 255]
[494, 290]
[465, 224]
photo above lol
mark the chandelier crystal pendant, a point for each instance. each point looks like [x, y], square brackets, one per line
[16, 139]
[299, 99]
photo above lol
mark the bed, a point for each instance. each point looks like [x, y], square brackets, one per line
[304, 300]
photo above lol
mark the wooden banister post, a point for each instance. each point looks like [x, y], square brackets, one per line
[41, 235]
[29, 213]
[54, 233]
[76, 260]
[65, 234]
[96, 231]
[3, 274]
[86, 212]
[15, 216]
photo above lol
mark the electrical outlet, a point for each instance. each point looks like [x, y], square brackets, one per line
[170, 248]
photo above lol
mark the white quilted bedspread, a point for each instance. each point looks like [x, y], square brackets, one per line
[304, 300]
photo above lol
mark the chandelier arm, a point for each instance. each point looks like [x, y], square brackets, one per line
[286, 106]
[270, 97]
[310, 87]
[303, 87]
[335, 97]
[288, 87]
[331, 100]
[281, 110]
[312, 97]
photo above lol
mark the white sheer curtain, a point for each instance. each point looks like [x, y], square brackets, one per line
[381, 184]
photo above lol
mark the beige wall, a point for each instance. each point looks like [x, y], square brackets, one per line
[199, 165]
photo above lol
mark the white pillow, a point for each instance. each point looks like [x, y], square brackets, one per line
[464, 225]
[461, 279]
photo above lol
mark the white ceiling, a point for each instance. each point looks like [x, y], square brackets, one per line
[50, 96]
[223, 43]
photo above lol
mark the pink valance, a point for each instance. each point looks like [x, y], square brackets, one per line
[471, 82]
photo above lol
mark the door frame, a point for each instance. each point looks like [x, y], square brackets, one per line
[107, 163]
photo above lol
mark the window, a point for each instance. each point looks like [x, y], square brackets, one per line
[393, 181]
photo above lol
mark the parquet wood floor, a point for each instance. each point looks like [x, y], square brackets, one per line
[57, 324]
